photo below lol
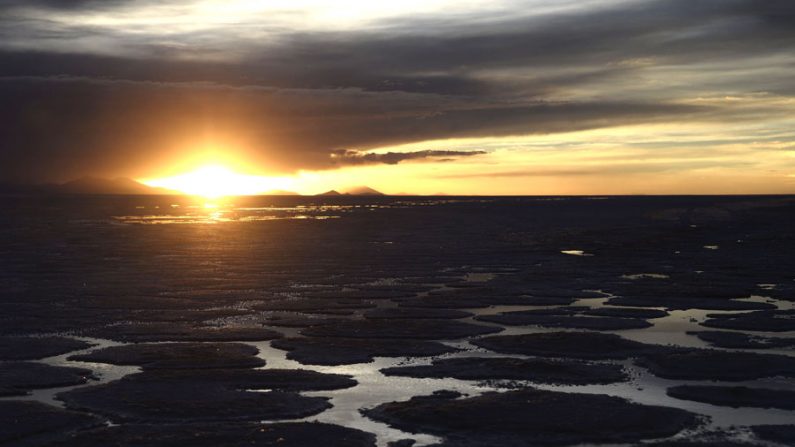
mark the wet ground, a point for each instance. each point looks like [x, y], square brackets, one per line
[164, 321]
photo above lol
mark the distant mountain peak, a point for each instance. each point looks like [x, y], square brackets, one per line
[115, 186]
[355, 191]
[363, 191]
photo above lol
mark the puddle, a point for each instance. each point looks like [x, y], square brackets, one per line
[103, 372]
[575, 253]
[374, 388]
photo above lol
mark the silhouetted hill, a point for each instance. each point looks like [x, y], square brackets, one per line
[357, 191]
[363, 191]
[117, 186]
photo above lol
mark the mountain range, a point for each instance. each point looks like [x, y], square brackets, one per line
[126, 186]
[357, 191]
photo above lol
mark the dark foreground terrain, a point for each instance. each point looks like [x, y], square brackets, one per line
[355, 321]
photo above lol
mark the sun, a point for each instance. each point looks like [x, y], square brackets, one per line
[214, 181]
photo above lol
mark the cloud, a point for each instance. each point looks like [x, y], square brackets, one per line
[76, 125]
[69, 4]
[353, 157]
[610, 169]
[118, 96]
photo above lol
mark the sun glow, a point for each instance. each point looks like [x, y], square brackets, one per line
[213, 181]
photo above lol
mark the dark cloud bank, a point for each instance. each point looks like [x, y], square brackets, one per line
[318, 100]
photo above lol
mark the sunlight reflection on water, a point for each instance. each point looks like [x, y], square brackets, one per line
[251, 209]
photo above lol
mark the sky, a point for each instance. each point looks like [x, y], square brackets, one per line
[422, 97]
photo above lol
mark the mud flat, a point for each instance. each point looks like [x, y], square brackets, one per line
[22, 419]
[525, 318]
[34, 348]
[342, 351]
[149, 332]
[414, 313]
[627, 312]
[211, 394]
[412, 329]
[709, 364]
[459, 301]
[533, 417]
[568, 372]
[739, 340]
[300, 434]
[19, 378]
[580, 345]
[377, 305]
[735, 396]
[300, 320]
[766, 321]
[314, 305]
[783, 434]
[686, 303]
[177, 355]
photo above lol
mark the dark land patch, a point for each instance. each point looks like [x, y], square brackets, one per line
[18, 378]
[568, 310]
[554, 292]
[369, 293]
[205, 395]
[413, 313]
[471, 300]
[717, 440]
[34, 348]
[342, 351]
[710, 364]
[783, 434]
[148, 332]
[735, 396]
[312, 305]
[300, 320]
[527, 318]
[275, 379]
[377, 285]
[763, 321]
[531, 417]
[686, 303]
[21, 419]
[739, 340]
[582, 345]
[782, 291]
[299, 434]
[413, 329]
[686, 284]
[434, 302]
[622, 312]
[543, 301]
[402, 443]
[177, 355]
[184, 315]
[567, 372]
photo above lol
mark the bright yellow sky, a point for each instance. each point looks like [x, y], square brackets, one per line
[697, 158]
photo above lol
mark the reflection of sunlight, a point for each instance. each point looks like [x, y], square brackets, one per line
[214, 181]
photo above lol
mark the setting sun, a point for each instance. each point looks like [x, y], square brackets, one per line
[214, 181]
